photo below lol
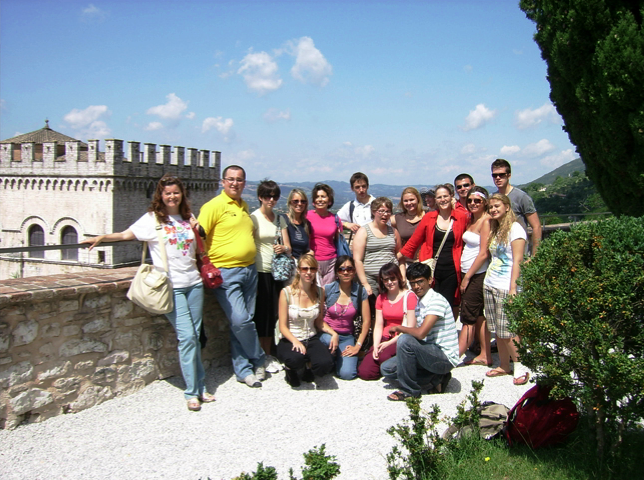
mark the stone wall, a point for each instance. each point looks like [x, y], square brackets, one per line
[69, 342]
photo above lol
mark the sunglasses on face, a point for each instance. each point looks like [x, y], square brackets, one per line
[272, 197]
[346, 269]
[308, 269]
[464, 185]
[499, 175]
[299, 202]
[390, 280]
[476, 201]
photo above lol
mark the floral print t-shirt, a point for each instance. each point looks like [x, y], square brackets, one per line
[180, 247]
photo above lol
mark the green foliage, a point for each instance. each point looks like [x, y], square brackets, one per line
[319, 466]
[268, 473]
[581, 321]
[594, 50]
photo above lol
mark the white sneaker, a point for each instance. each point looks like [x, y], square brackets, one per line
[272, 364]
[252, 381]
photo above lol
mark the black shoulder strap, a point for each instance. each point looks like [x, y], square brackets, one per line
[352, 207]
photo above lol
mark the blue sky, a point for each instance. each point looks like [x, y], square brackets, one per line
[409, 92]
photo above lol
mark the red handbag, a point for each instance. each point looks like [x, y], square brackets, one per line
[210, 274]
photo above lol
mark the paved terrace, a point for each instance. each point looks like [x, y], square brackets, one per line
[89, 389]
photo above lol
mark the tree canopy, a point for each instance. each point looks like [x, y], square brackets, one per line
[594, 50]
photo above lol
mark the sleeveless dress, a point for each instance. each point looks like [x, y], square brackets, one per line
[405, 228]
[378, 252]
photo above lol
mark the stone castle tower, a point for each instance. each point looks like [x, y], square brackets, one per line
[55, 189]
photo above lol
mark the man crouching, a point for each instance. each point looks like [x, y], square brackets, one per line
[426, 354]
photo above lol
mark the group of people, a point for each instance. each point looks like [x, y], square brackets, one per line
[388, 308]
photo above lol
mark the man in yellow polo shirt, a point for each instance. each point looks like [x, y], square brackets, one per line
[231, 247]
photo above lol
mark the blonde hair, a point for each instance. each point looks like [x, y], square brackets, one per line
[310, 261]
[415, 193]
[500, 229]
[291, 213]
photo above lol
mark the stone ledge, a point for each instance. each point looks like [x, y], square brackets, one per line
[65, 285]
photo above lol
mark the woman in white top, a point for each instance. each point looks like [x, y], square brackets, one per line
[267, 225]
[301, 317]
[474, 262]
[506, 245]
[170, 211]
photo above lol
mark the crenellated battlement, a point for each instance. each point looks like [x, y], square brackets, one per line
[74, 158]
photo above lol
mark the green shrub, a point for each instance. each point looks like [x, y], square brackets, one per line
[319, 466]
[268, 473]
[581, 321]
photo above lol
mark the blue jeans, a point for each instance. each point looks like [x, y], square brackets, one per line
[345, 367]
[186, 320]
[237, 299]
[416, 363]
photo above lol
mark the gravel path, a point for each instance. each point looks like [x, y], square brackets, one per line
[151, 434]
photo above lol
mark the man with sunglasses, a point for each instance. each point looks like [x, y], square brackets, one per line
[522, 204]
[228, 229]
[463, 183]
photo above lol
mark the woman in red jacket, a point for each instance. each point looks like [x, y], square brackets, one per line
[448, 222]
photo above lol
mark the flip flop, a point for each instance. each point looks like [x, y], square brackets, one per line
[194, 405]
[476, 361]
[497, 372]
[398, 396]
[522, 380]
[207, 398]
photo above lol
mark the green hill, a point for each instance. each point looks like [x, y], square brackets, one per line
[564, 171]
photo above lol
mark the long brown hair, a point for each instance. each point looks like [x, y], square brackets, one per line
[291, 211]
[158, 207]
[501, 229]
[310, 262]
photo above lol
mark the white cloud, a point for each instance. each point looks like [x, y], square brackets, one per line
[558, 159]
[154, 126]
[240, 158]
[365, 151]
[92, 13]
[222, 125]
[171, 110]
[89, 122]
[529, 118]
[310, 65]
[190, 115]
[468, 149]
[347, 144]
[478, 117]
[260, 72]
[274, 115]
[510, 149]
[537, 149]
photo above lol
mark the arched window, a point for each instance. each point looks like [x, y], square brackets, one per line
[69, 237]
[36, 238]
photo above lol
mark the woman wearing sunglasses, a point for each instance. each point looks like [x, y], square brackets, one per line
[345, 300]
[301, 317]
[394, 306]
[298, 228]
[474, 263]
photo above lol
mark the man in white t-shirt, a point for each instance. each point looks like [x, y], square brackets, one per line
[357, 213]
[426, 354]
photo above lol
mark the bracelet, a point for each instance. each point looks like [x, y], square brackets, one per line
[358, 343]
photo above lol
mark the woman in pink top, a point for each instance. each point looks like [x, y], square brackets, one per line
[323, 232]
[390, 311]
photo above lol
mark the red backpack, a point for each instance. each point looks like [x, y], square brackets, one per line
[538, 421]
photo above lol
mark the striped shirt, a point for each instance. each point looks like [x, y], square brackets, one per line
[443, 333]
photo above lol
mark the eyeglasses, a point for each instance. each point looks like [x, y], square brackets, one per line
[271, 197]
[477, 201]
[463, 185]
[299, 202]
[234, 180]
[417, 283]
[383, 212]
[390, 280]
[308, 269]
[346, 269]
[499, 175]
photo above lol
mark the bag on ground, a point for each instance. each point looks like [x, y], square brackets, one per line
[492, 417]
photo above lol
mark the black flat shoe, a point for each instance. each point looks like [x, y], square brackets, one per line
[291, 378]
[308, 376]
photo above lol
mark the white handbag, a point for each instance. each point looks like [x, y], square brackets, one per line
[151, 288]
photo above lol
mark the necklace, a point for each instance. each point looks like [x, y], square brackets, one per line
[343, 311]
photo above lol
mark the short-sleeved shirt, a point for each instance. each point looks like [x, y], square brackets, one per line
[443, 333]
[323, 232]
[393, 313]
[229, 232]
[265, 233]
[299, 239]
[522, 206]
[361, 212]
[180, 247]
[499, 272]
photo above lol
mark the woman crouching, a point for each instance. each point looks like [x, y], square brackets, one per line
[301, 317]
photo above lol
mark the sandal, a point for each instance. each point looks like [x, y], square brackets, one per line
[194, 405]
[444, 382]
[398, 396]
[497, 372]
[206, 398]
[476, 361]
[522, 380]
